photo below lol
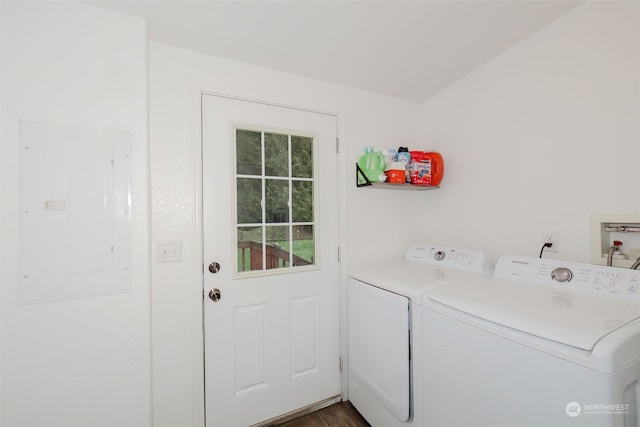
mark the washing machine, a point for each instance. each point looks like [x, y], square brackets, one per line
[383, 327]
[540, 343]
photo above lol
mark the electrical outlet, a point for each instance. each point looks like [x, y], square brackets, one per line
[551, 237]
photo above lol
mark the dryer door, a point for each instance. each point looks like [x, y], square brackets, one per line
[379, 347]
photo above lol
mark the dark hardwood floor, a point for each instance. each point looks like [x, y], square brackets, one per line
[341, 414]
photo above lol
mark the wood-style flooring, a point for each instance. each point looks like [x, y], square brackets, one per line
[341, 414]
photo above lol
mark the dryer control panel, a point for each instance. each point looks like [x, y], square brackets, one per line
[592, 278]
[459, 259]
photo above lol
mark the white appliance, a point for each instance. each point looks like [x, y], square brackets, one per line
[383, 326]
[541, 343]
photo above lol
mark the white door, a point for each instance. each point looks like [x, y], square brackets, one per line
[270, 223]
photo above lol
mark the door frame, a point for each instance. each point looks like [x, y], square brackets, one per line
[195, 93]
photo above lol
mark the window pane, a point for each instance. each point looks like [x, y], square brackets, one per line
[249, 196]
[302, 201]
[249, 248]
[275, 207]
[301, 157]
[277, 200]
[277, 246]
[303, 245]
[276, 154]
[248, 152]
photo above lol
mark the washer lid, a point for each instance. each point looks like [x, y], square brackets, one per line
[407, 278]
[565, 316]
[424, 266]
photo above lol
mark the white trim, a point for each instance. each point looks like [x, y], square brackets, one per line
[270, 103]
[341, 163]
[197, 284]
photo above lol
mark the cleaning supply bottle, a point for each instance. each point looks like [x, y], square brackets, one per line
[426, 168]
[437, 167]
[404, 156]
[372, 164]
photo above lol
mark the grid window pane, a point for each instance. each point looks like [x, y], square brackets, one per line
[248, 152]
[301, 157]
[302, 201]
[249, 199]
[303, 245]
[276, 158]
[249, 248]
[277, 247]
[277, 200]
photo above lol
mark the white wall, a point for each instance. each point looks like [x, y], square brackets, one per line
[371, 223]
[541, 138]
[82, 362]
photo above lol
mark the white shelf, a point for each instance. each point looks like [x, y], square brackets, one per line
[401, 187]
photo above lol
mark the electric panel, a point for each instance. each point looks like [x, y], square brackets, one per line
[75, 212]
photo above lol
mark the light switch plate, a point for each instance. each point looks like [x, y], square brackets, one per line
[169, 251]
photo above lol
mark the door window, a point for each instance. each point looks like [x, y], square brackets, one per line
[275, 206]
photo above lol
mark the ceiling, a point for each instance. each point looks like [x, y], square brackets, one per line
[404, 49]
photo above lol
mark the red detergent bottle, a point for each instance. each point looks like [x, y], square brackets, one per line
[426, 168]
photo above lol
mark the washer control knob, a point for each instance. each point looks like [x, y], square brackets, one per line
[439, 255]
[561, 274]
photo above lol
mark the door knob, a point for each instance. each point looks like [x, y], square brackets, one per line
[214, 267]
[214, 295]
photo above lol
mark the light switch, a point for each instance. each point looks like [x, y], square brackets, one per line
[55, 205]
[169, 251]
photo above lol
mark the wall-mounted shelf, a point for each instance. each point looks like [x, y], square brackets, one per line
[388, 186]
[401, 187]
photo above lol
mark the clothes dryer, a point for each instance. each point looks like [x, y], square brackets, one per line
[540, 343]
[383, 326]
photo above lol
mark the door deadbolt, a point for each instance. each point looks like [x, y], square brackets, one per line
[214, 267]
[214, 295]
